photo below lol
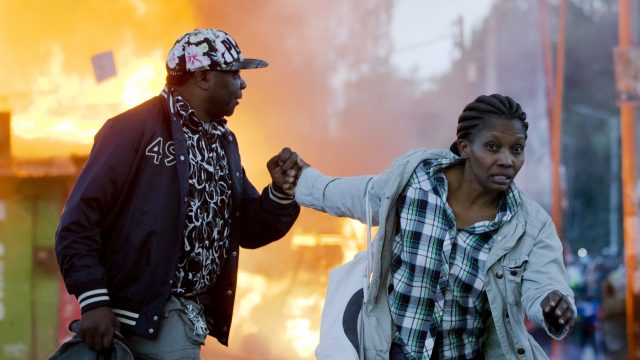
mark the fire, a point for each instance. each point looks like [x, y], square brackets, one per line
[48, 81]
[256, 285]
[142, 79]
[302, 331]
[79, 106]
[285, 310]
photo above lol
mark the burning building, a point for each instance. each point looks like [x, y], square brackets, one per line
[32, 193]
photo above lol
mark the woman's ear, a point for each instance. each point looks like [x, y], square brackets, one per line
[463, 147]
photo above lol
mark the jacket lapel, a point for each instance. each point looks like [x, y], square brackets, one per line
[182, 153]
[230, 147]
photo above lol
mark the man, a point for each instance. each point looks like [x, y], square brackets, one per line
[149, 238]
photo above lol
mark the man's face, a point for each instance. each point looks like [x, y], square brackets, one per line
[224, 92]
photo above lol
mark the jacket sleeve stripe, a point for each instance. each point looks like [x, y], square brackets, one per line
[280, 197]
[92, 293]
[92, 300]
[126, 313]
[126, 321]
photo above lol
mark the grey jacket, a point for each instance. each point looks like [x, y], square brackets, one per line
[524, 264]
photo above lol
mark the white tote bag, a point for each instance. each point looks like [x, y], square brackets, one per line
[341, 322]
[341, 331]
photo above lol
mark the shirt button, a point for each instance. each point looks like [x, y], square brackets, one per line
[520, 351]
[224, 328]
[514, 273]
[185, 199]
[150, 331]
[181, 157]
[237, 174]
[237, 214]
[155, 318]
[499, 275]
[229, 292]
[235, 253]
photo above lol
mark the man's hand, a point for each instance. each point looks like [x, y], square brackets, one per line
[284, 171]
[558, 311]
[97, 327]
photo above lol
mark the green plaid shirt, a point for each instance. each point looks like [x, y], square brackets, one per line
[437, 288]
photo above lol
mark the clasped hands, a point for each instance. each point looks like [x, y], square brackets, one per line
[285, 168]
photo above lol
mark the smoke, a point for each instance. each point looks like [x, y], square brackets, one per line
[329, 88]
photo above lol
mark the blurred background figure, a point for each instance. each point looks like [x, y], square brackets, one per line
[614, 314]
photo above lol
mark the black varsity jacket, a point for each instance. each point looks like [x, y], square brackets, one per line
[120, 232]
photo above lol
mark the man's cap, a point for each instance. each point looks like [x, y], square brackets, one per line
[208, 49]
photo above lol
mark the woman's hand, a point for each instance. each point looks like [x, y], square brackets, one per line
[558, 312]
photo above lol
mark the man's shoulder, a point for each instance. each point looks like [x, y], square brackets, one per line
[151, 108]
[137, 119]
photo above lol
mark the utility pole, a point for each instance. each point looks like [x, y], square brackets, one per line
[628, 160]
[556, 119]
[547, 56]
[554, 92]
[458, 34]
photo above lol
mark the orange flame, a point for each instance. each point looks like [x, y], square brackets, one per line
[48, 82]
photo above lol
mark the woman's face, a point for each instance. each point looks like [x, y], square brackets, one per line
[495, 153]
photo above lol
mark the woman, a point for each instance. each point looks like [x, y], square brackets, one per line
[461, 253]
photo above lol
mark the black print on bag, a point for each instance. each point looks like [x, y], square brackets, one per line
[350, 318]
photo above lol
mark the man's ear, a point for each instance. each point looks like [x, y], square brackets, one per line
[463, 147]
[202, 79]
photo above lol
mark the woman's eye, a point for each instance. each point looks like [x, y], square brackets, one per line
[492, 147]
[518, 149]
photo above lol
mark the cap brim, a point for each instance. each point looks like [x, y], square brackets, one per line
[249, 64]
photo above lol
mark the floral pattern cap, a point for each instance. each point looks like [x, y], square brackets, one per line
[208, 49]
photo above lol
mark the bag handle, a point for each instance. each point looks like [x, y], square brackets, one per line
[74, 327]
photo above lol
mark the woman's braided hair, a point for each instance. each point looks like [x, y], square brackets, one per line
[483, 108]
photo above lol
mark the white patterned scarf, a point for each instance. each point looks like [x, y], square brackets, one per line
[206, 235]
